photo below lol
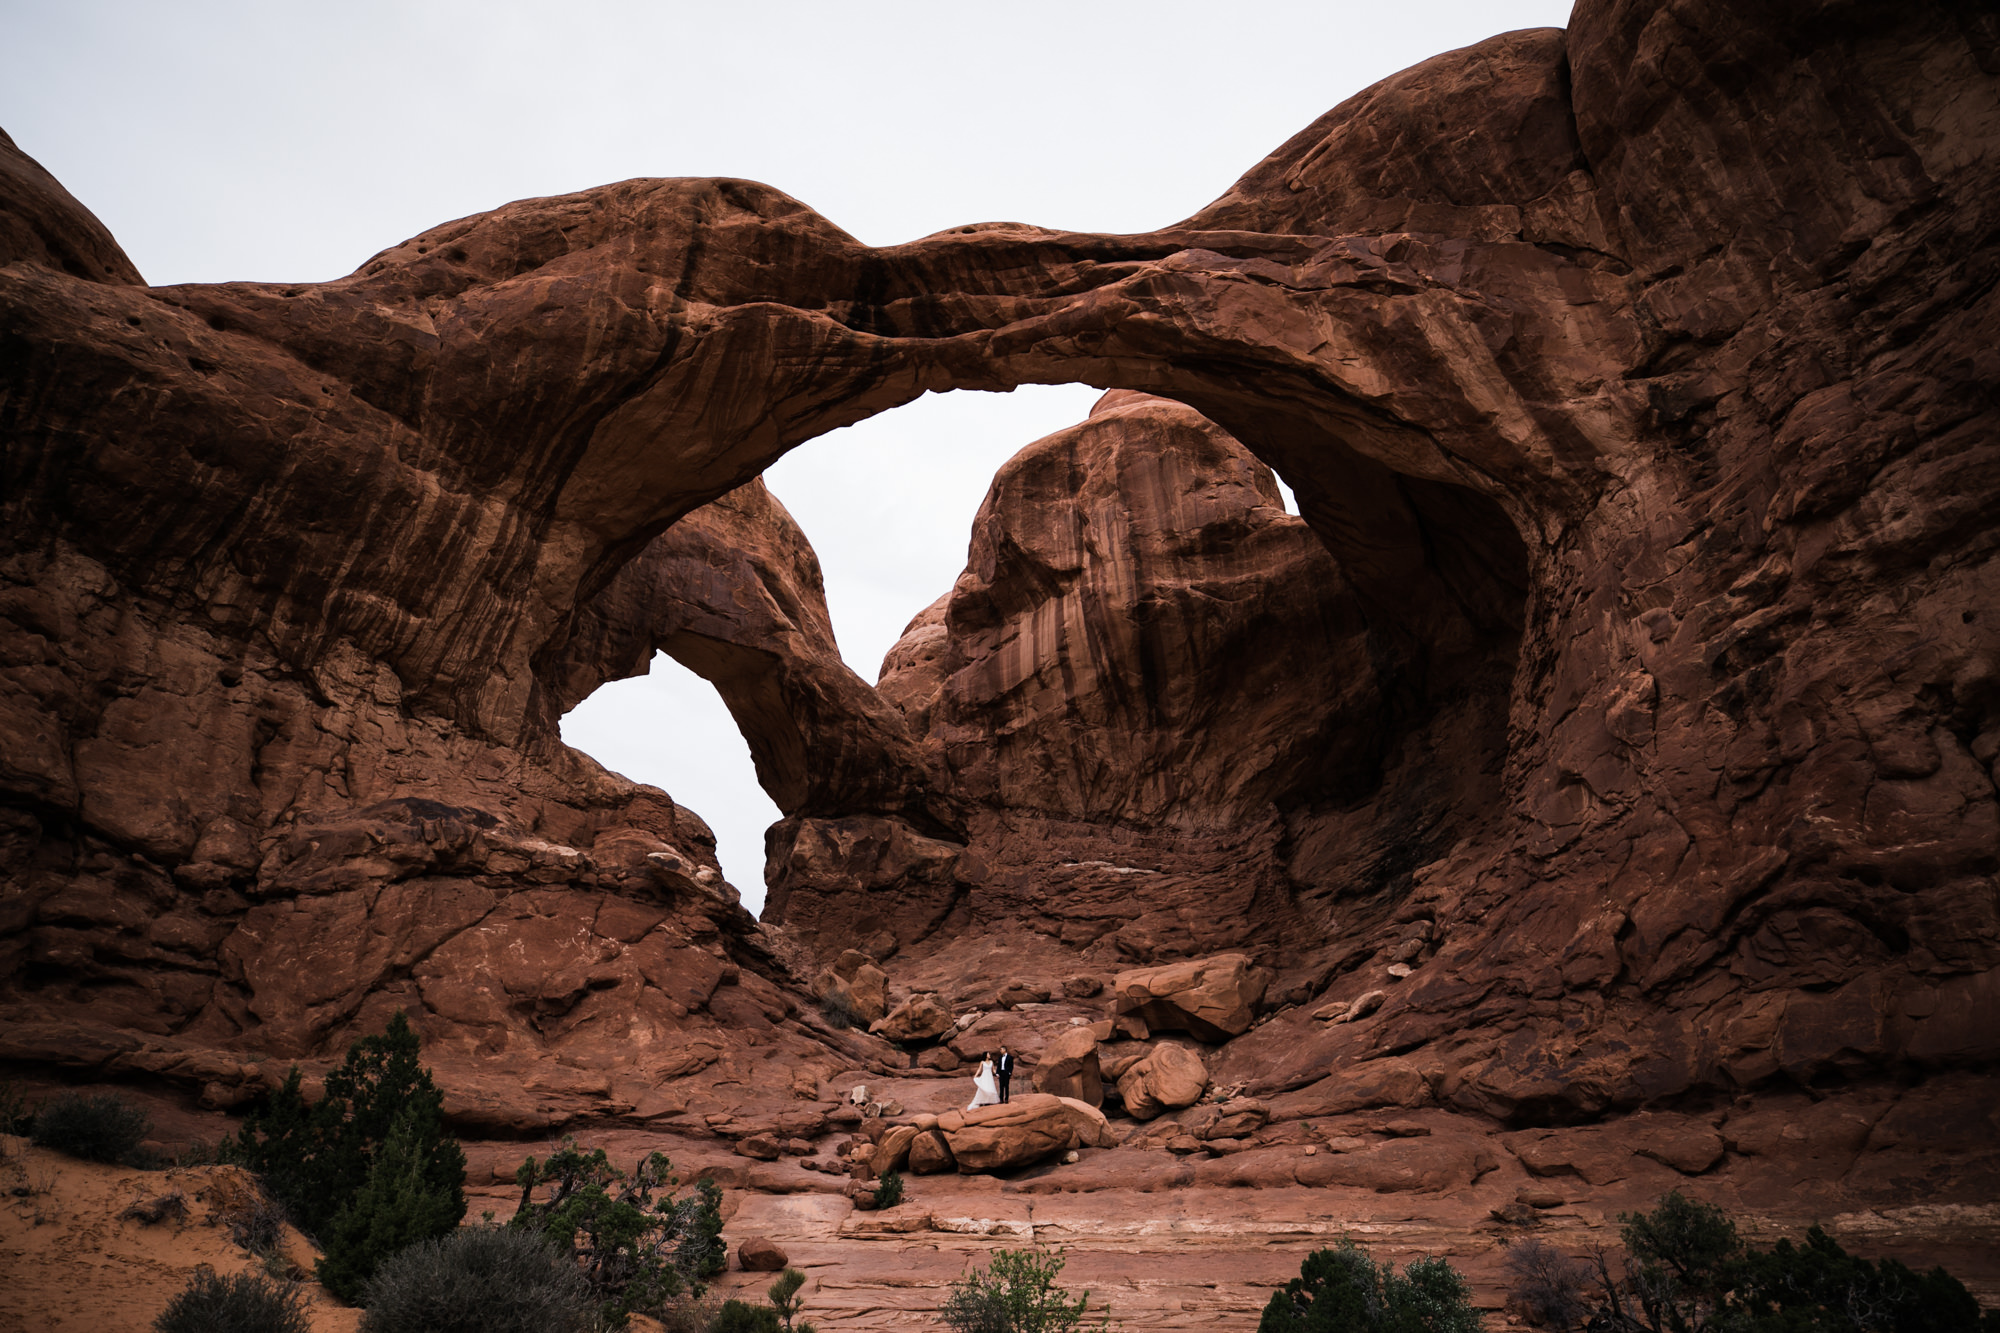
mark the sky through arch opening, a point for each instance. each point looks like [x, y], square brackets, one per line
[888, 505]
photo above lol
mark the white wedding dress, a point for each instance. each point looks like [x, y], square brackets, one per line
[985, 1086]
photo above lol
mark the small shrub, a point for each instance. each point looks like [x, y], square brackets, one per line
[639, 1248]
[787, 1301]
[889, 1189]
[246, 1303]
[743, 1317]
[197, 1152]
[169, 1207]
[1548, 1287]
[480, 1280]
[780, 1316]
[690, 1312]
[837, 1008]
[258, 1226]
[1017, 1293]
[1342, 1290]
[1687, 1268]
[98, 1129]
[17, 1114]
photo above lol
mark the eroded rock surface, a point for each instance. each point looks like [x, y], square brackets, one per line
[1621, 706]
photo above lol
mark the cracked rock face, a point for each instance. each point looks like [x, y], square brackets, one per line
[1636, 634]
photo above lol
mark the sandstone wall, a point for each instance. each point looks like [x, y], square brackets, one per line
[1659, 348]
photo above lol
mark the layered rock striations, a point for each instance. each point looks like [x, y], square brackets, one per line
[1632, 723]
[1177, 721]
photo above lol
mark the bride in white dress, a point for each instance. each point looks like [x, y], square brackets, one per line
[985, 1086]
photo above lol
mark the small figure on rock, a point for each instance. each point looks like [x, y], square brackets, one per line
[985, 1085]
[1005, 1069]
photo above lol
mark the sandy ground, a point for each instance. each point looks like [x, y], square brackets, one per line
[1165, 1259]
[70, 1264]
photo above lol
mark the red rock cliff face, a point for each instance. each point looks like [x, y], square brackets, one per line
[1660, 347]
[1169, 708]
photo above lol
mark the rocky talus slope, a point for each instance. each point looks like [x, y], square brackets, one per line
[1595, 777]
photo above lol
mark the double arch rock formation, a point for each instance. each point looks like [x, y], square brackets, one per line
[1634, 378]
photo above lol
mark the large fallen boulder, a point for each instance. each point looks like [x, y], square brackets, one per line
[1014, 1134]
[1069, 1067]
[1211, 999]
[930, 1155]
[1172, 1076]
[758, 1254]
[856, 985]
[893, 1152]
[919, 1018]
[1092, 1129]
[1236, 1118]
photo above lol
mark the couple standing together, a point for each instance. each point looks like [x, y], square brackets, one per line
[989, 1084]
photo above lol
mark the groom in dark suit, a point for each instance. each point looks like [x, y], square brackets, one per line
[1004, 1068]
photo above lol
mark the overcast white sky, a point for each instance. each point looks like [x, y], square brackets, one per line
[287, 141]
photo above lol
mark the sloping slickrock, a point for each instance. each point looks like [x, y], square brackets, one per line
[1424, 1165]
[1388, 1082]
[1171, 1076]
[1212, 999]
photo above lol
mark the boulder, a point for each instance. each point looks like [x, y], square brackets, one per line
[930, 1155]
[757, 1254]
[1069, 1067]
[1600, 1158]
[1170, 1077]
[941, 1058]
[919, 1018]
[1234, 1119]
[893, 1152]
[854, 982]
[1211, 999]
[1688, 1148]
[1114, 1060]
[763, 1147]
[1082, 986]
[1020, 1132]
[1092, 1129]
[1020, 992]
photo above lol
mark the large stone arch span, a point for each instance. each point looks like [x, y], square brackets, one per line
[565, 377]
[596, 366]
